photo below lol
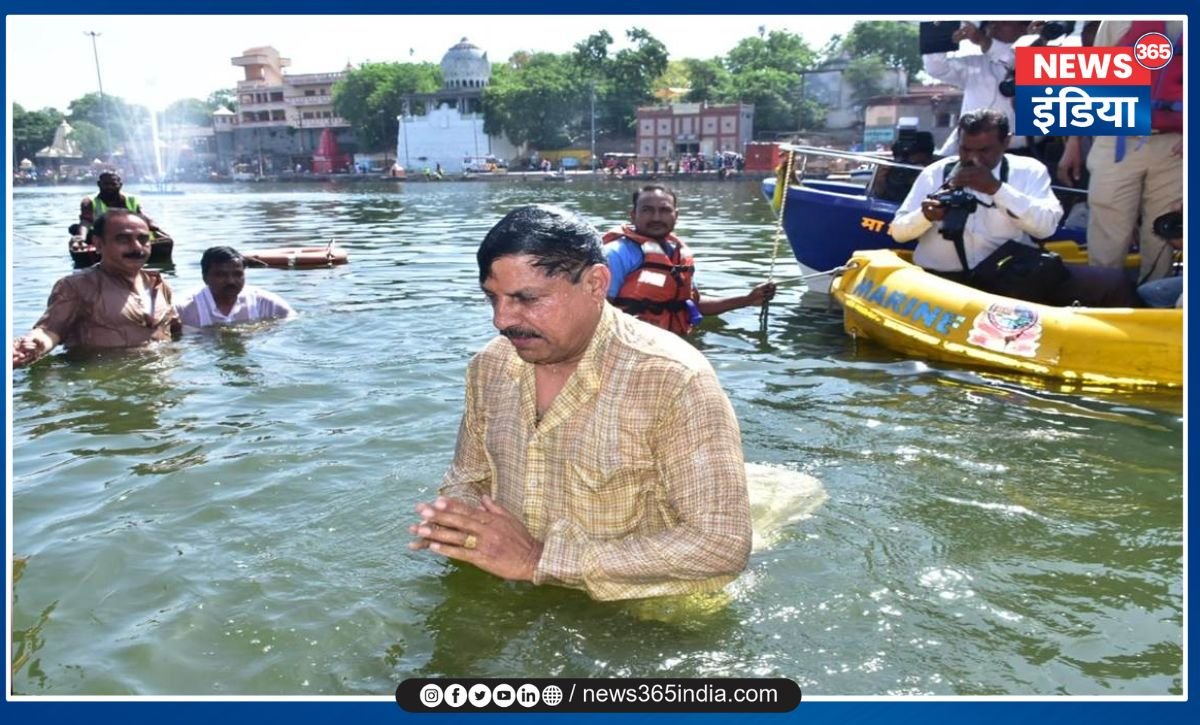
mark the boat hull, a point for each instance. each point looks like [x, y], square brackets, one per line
[900, 306]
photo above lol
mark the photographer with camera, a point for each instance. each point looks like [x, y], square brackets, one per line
[982, 77]
[976, 216]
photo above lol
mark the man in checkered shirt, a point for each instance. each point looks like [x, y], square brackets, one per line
[595, 451]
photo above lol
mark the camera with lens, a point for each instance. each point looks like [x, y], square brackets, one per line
[959, 204]
[1169, 225]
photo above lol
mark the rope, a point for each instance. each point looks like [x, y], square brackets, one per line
[787, 182]
[836, 271]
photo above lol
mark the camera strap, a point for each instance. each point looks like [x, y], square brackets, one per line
[959, 246]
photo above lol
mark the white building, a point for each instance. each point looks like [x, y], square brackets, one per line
[446, 128]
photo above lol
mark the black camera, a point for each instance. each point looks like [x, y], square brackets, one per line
[1169, 225]
[937, 36]
[959, 204]
[1055, 29]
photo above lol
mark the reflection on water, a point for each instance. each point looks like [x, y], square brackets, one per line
[228, 514]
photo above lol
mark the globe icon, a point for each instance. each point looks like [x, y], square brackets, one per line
[552, 695]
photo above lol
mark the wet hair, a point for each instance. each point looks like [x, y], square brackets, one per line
[561, 243]
[219, 255]
[983, 119]
[655, 187]
[101, 221]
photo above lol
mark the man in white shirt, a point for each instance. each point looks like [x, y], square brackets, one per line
[226, 298]
[1013, 202]
[979, 74]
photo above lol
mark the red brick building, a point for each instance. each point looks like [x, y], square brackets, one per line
[680, 129]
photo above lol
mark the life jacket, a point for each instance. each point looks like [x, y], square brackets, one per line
[99, 207]
[131, 203]
[1166, 83]
[658, 292]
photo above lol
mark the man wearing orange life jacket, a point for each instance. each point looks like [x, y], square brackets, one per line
[1135, 177]
[653, 270]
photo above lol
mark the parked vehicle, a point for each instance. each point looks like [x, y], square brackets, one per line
[483, 164]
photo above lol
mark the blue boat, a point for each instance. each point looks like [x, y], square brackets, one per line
[826, 221]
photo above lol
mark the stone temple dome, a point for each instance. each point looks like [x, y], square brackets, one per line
[465, 65]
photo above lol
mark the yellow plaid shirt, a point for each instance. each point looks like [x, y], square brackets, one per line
[633, 479]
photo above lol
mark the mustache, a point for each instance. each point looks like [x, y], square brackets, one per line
[135, 255]
[518, 332]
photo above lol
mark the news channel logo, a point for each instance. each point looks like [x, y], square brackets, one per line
[1074, 91]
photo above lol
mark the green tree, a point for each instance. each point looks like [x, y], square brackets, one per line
[780, 50]
[517, 59]
[866, 76]
[188, 111]
[541, 102]
[91, 140]
[775, 95]
[125, 122]
[591, 54]
[631, 77]
[624, 80]
[766, 71]
[222, 98]
[707, 79]
[675, 76]
[32, 131]
[370, 97]
[893, 41]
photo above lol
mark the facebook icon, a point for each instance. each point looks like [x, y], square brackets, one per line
[456, 695]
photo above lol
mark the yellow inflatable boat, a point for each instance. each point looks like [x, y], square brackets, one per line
[904, 308]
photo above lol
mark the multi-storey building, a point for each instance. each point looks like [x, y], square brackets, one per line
[684, 129]
[279, 118]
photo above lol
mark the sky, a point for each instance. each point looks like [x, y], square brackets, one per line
[191, 54]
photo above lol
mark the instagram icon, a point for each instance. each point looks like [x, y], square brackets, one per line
[431, 696]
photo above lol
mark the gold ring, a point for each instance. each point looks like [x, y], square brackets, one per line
[471, 542]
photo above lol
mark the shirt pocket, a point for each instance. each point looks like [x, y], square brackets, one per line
[609, 502]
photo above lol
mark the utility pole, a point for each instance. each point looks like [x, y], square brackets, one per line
[100, 83]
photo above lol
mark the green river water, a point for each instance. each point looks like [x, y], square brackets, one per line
[227, 514]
